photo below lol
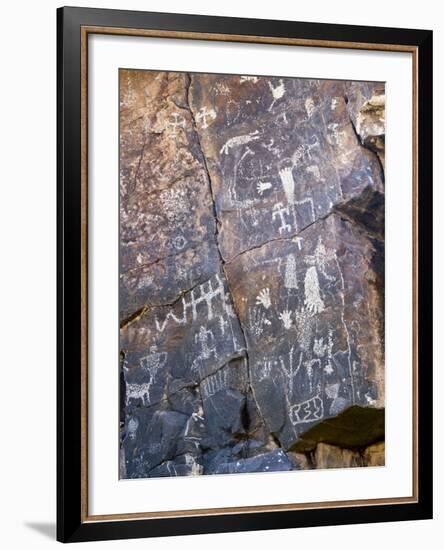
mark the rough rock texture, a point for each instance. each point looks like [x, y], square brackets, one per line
[251, 274]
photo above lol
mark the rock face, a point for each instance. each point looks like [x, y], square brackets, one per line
[251, 274]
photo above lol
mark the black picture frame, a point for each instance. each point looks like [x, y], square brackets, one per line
[72, 525]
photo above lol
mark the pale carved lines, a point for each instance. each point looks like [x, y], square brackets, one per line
[138, 391]
[177, 122]
[204, 294]
[214, 383]
[277, 92]
[286, 319]
[205, 117]
[308, 411]
[263, 298]
[290, 277]
[313, 300]
[236, 141]
[257, 321]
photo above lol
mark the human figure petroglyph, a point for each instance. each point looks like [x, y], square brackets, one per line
[287, 181]
[205, 117]
[286, 319]
[279, 211]
[257, 321]
[253, 79]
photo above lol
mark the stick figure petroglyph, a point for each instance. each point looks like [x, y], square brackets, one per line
[257, 321]
[238, 140]
[204, 294]
[279, 211]
[154, 361]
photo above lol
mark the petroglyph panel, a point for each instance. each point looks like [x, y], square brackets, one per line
[251, 272]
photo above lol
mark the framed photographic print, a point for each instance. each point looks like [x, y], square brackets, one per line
[244, 285]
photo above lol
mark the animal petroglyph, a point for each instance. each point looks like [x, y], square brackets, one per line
[236, 141]
[177, 122]
[289, 368]
[290, 277]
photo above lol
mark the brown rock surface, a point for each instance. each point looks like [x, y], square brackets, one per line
[251, 271]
